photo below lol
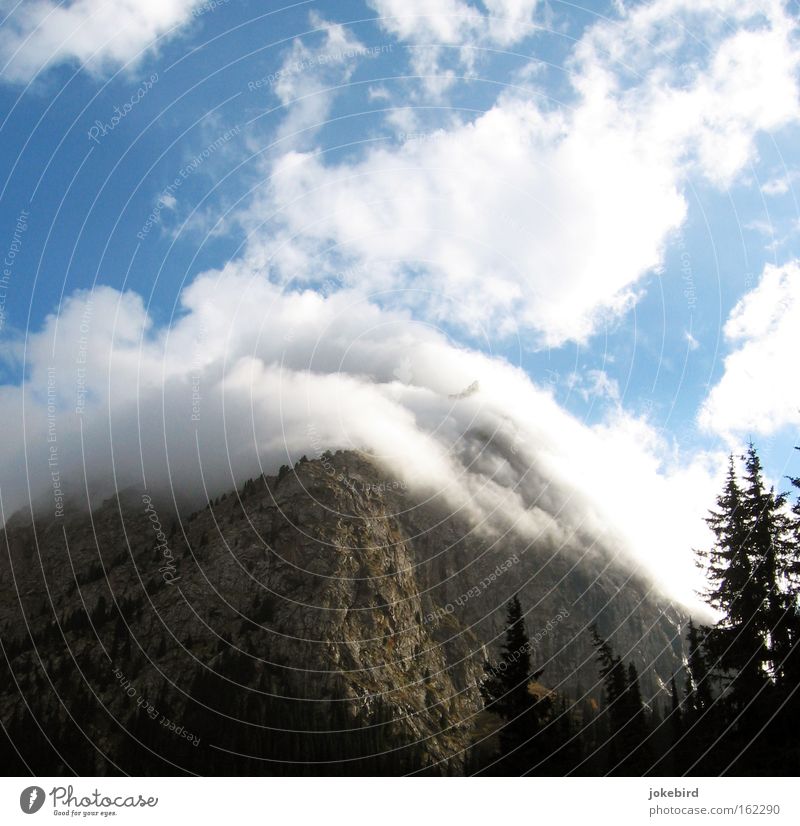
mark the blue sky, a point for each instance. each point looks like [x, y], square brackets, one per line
[602, 197]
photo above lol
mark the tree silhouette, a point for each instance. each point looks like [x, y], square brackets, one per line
[749, 652]
[628, 730]
[698, 681]
[735, 643]
[506, 692]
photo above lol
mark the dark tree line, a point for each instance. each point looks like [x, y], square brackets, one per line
[735, 705]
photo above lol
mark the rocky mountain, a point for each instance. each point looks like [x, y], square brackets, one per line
[325, 620]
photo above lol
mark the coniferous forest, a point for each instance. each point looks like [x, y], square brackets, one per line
[734, 706]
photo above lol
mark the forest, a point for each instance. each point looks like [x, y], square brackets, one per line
[733, 708]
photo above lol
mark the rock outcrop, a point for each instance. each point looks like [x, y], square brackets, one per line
[328, 620]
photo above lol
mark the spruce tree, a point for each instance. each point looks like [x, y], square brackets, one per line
[769, 550]
[699, 712]
[635, 733]
[505, 690]
[735, 643]
[612, 673]
[505, 686]
[676, 725]
[791, 666]
[633, 694]
[626, 714]
[675, 706]
[752, 574]
[698, 681]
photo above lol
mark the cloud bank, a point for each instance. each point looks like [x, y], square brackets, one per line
[251, 376]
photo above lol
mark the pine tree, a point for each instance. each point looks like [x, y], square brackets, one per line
[735, 643]
[633, 694]
[751, 571]
[699, 717]
[676, 725]
[698, 681]
[626, 713]
[791, 665]
[769, 549]
[635, 732]
[612, 672]
[675, 706]
[505, 687]
[505, 690]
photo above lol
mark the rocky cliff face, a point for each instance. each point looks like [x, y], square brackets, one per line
[325, 621]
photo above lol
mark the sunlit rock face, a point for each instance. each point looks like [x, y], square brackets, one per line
[327, 619]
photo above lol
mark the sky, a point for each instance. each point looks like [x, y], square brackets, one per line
[538, 257]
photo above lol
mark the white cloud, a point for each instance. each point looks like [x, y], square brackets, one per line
[450, 34]
[378, 93]
[595, 384]
[780, 184]
[775, 186]
[540, 217]
[275, 375]
[701, 79]
[97, 34]
[309, 78]
[759, 392]
[457, 23]
[501, 221]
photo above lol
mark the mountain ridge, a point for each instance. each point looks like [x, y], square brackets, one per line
[328, 587]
